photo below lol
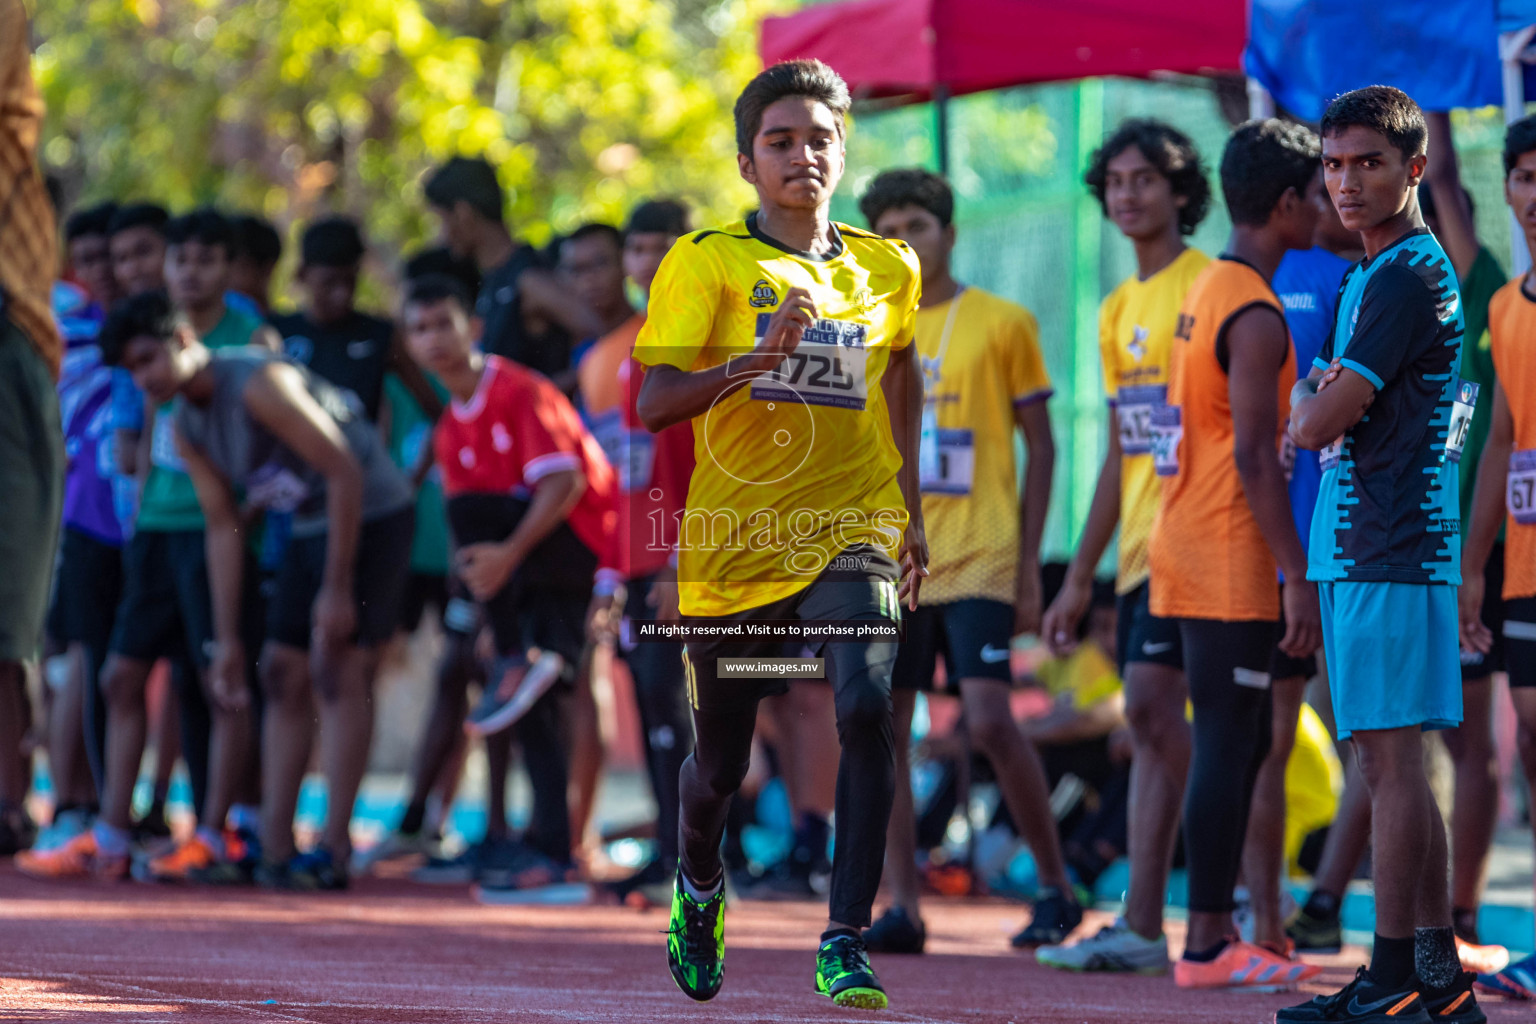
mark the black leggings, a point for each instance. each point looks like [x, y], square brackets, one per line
[1227, 664]
[665, 725]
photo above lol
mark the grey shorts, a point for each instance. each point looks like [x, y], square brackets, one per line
[32, 481]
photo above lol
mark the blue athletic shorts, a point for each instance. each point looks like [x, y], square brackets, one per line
[1394, 655]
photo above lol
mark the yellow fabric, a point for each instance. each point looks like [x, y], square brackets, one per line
[782, 484]
[1136, 326]
[1087, 675]
[990, 365]
[1313, 781]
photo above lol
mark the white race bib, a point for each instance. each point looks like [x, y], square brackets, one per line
[952, 464]
[1329, 457]
[1520, 486]
[826, 368]
[275, 488]
[1166, 430]
[1133, 411]
[1461, 420]
[162, 444]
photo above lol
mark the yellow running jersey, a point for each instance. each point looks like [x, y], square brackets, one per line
[799, 465]
[981, 360]
[1136, 325]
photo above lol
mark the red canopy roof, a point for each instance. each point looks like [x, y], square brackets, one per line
[895, 47]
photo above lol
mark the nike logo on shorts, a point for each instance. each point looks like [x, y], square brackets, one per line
[1162, 648]
[992, 655]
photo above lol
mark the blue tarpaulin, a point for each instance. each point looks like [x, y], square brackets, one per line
[1443, 53]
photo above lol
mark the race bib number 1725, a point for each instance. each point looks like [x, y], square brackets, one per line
[826, 368]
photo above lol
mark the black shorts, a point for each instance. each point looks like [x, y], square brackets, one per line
[1519, 635]
[1228, 653]
[378, 582]
[86, 590]
[1474, 665]
[544, 604]
[1284, 666]
[165, 611]
[973, 635]
[1142, 636]
[422, 590]
[846, 595]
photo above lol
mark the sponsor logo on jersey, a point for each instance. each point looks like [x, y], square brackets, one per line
[763, 294]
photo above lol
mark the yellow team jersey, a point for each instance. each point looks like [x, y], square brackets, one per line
[981, 360]
[1313, 781]
[800, 464]
[1087, 676]
[1136, 325]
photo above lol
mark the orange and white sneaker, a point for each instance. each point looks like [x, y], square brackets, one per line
[78, 858]
[181, 863]
[1243, 965]
[1481, 959]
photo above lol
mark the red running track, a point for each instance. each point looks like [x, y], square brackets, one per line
[393, 953]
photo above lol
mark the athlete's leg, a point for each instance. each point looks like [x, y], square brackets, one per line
[286, 737]
[1392, 765]
[67, 764]
[193, 724]
[1020, 774]
[710, 776]
[541, 734]
[901, 835]
[343, 682]
[1264, 846]
[861, 674]
[445, 724]
[1160, 738]
[1231, 740]
[666, 729]
[15, 779]
[123, 682]
[1474, 814]
[587, 754]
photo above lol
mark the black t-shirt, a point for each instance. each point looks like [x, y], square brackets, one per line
[500, 308]
[351, 353]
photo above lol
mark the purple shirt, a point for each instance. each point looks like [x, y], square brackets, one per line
[94, 491]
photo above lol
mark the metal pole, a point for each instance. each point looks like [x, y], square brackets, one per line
[941, 126]
[1512, 51]
[1260, 103]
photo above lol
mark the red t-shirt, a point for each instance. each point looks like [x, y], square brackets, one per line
[517, 429]
[653, 470]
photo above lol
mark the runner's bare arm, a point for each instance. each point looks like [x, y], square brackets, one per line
[277, 399]
[1455, 229]
[1257, 343]
[670, 395]
[544, 296]
[226, 569]
[1034, 420]
[1061, 620]
[1328, 403]
[902, 386]
[1487, 512]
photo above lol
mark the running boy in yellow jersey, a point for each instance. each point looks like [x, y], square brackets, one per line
[984, 378]
[1506, 482]
[1150, 182]
[786, 338]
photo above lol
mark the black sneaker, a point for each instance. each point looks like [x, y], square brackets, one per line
[17, 830]
[1056, 914]
[316, 871]
[1315, 934]
[513, 688]
[652, 884]
[1362, 1001]
[471, 864]
[1454, 1004]
[844, 974]
[895, 932]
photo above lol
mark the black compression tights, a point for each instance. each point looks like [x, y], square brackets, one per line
[1231, 740]
[860, 674]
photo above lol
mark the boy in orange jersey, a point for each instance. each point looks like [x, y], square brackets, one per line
[1224, 523]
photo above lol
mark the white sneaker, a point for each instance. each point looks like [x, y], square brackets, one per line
[513, 688]
[1114, 948]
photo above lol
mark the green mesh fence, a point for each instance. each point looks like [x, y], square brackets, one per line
[1029, 231]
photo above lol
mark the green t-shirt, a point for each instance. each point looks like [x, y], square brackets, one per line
[1485, 278]
[169, 501]
[410, 432]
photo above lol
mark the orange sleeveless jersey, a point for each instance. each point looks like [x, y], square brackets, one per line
[1512, 334]
[1209, 560]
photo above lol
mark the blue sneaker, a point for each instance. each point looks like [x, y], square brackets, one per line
[1517, 981]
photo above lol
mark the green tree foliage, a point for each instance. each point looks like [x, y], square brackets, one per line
[296, 107]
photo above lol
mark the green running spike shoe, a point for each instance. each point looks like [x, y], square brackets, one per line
[696, 943]
[843, 973]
